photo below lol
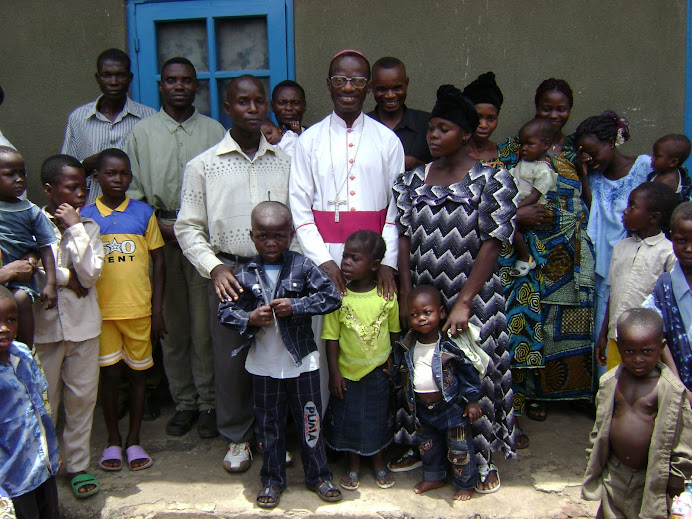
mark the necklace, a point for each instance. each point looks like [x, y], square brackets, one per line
[337, 190]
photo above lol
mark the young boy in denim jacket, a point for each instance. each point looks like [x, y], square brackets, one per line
[281, 291]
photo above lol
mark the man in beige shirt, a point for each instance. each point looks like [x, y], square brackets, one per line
[220, 188]
[159, 147]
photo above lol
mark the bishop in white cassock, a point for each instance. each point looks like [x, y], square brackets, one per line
[342, 174]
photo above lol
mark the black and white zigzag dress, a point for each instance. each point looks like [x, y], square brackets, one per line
[446, 226]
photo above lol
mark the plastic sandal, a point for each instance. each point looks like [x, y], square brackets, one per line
[322, 489]
[353, 481]
[483, 473]
[381, 479]
[270, 492]
[112, 453]
[82, 480]
[136, 452]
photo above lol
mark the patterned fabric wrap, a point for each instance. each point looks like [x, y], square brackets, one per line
[447, 226]
[553, 333]
[678, 342]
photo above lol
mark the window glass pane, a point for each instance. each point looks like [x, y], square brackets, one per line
[241, 43]
[223, 83]
[185, 39]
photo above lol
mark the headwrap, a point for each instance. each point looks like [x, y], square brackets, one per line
[453, 106]
[484, 90]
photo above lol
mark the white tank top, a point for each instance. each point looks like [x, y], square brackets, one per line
[423, 380]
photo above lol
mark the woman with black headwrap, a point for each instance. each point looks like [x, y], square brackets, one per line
[454, 216]
[487, 98]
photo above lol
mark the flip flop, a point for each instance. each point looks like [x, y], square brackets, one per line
[82, 480]
[112, 453]
[483, 473]
[533, 410]
[381, 479]
[271, 492]
[352, 481]
[136, 452]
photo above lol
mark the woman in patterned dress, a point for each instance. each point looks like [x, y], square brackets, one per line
[454, 216]
[550, 311]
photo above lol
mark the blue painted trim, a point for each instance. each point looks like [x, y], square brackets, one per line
[290, 42]
[143, 16]
[132, 49]
[688, 79]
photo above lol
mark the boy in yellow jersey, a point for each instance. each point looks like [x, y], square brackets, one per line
[130, 305]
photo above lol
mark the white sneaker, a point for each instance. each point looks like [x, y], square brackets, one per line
[238, 458]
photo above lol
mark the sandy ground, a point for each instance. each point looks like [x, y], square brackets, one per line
[188, 480]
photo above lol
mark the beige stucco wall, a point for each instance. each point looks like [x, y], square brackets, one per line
[624, 55]
[48, 53]
[628, 55]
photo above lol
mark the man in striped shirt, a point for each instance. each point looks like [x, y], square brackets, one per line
[106, 122]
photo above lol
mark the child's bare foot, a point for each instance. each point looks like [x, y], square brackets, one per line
[463, 495]
[424, 486]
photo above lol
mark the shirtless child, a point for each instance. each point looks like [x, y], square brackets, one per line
[641, 444]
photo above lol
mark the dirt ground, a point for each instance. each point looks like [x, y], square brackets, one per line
[188, 480]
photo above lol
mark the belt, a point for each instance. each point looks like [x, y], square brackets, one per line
[166, 214]
[233, 257]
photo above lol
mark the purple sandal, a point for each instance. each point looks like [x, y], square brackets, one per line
[136, 452]
[112, 453]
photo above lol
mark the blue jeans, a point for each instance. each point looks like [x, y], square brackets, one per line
[444, 436]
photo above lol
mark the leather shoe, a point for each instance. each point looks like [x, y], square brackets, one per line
[181, 422]
[206, 426]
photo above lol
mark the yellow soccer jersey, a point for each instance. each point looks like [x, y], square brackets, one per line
[128, 233]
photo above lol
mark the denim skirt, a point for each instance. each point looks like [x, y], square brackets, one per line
[361, 422]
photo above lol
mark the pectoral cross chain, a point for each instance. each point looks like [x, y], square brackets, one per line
[337, 203]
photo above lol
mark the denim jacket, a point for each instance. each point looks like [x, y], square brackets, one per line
[307, 286]
[453, 373]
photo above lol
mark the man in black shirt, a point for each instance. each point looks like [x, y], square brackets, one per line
[389, 87]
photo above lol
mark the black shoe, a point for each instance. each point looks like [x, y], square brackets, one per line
[151, 409]
[206, 427]
[181, 422]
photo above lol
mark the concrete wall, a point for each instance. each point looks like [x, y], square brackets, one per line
[624, 55]
[628, 56]
[47, 65]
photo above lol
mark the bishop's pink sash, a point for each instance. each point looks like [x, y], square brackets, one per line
[349, 222]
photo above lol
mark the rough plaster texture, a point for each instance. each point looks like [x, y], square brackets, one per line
[48, 53]
[623, 55]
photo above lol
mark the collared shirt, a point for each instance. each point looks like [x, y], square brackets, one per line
[634, 268]
[28, 445]
[607, 207]
[670, 453]
[159, 147]
[412, 131]
[74, 318]
[307, 286]
[89, 131]
[220, 188]
[358, 165]
[128, 233]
